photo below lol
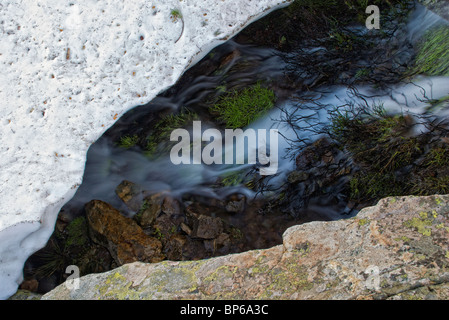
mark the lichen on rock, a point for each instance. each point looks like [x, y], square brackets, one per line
[380, 254]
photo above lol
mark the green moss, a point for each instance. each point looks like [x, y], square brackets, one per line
[159, 140]
[232, 178]
[238, 108]
[157, 233]
[77, 232]
[362, 73]
[432, 185]
[128, 141]
[390, 161]
[433, 52]
[145, 205]
[437, 157]
[374, 185]
[175, 14]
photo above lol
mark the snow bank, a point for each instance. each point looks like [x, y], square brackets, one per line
[69, 71]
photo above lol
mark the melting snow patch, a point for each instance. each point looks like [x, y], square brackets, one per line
[69, 71]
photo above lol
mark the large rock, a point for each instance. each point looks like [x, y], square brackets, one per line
[124, 239]
[398, 249]
[69, 71]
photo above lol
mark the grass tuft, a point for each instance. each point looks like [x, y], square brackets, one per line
[239, 108]
[433, 53]
[128, 141]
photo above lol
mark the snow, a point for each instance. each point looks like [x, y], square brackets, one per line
[69, 71]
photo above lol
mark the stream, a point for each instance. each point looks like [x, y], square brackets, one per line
[108, 164]
[241, 65]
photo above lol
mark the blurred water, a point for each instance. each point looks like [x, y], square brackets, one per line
[107, 164]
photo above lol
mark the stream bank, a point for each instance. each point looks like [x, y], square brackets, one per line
[201, 212]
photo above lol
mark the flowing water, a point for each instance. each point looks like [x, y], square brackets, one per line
[108, 164]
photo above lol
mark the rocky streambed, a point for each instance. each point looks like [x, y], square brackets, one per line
[322, 86]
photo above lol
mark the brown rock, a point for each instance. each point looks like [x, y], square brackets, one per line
[397, 249]
[186, 228]
[204, 227]
[174, 247]
[149, 211]
[170, 206]
[30, 285]
[130, 193]
[236, 206]
[122, 236]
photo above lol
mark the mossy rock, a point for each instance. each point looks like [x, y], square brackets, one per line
[77, 232]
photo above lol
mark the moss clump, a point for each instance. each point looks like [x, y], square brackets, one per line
[233, 178]
[128, 141]
[159, 139]
[391, 161]
[437, 157]
[433, 53]
[175, 14]
[239, 108]
[77, 232]
[432, 185]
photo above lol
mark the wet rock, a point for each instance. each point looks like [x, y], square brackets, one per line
[122, 236]
[170, 206]
[130, 193]
[164, 227]
[30, 285]
[186, 229]
[322, 174]
[227, 59]
[306, 158]
[155, 205]
[47, 283]
[219, 245]
[236, 205]
[297, 176]
[63, 220]
[174, 247]
[149, 211]
[204, 227]
[440, 7]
